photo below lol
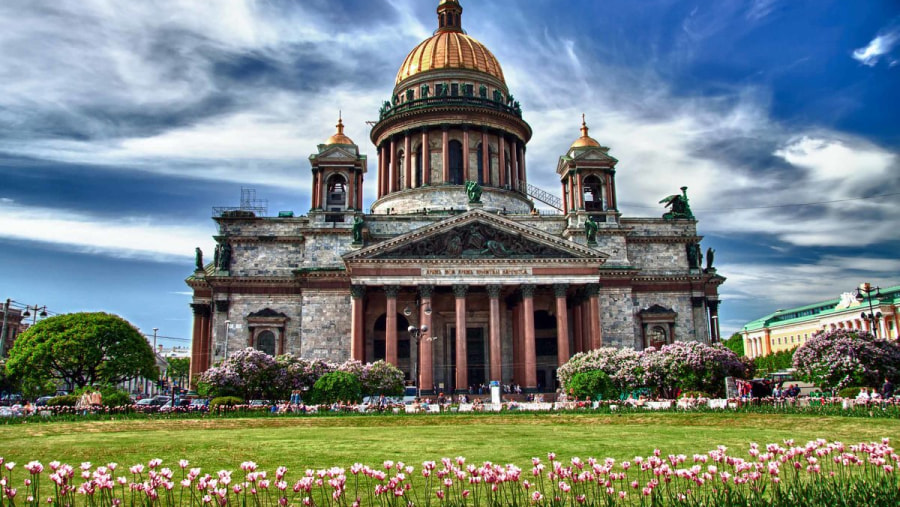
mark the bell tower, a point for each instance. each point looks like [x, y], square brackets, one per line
[337, 177]
[588, 176]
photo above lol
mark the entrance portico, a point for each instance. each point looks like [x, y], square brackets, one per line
[484, 274]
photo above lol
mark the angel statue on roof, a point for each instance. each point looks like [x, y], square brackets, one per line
[679, 206]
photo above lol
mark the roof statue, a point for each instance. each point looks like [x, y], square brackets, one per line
[680, 208]
[590, 230]
[473, 191]
[358, 224]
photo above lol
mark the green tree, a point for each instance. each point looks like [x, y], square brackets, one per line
[774, 362]
[179, 369]
[337, 386]
[81, 349]
[591, 385]
[736, 344]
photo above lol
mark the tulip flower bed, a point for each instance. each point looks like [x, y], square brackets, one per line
[819, 473]
[824, 407]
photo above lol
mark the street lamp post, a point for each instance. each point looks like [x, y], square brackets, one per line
[227, 329]
[34, 316]
[872, 317]
[416, 335]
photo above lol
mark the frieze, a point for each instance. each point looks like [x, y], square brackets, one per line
[455, 272]
[475, 241]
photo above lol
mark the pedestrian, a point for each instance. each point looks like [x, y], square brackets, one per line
[887, 390]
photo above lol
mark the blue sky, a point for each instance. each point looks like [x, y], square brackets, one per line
[123, 123]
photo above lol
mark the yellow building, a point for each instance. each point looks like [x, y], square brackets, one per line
[788, 329]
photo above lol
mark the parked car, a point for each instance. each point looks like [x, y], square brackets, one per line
[179, 403]
[42, 401]
[10, 399]
[200, 403]
[155, 401]
[260, 403]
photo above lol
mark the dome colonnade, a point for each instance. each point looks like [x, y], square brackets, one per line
[451, 119]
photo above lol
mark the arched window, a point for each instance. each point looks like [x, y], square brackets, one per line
[593, 194]
[456, 163]
[658, 336]
[508, 169]
[265, 342]
[420, 180]
[336, 199]
[401, 169]
[480, 164]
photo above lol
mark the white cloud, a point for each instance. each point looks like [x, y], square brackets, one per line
[727, 148]
[142, 238]
[881, 45]
[798, 284]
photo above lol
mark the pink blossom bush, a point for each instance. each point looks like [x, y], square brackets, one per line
[818, 473]
[250, 374]
[689, 366]
[842, 358]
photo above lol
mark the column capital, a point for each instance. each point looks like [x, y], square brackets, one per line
[357, 291]
[200, 309]
[425, 291]
[494, 291]
[391, 291]
[528, 290]
[592, 289]
[560, 289]
[460, 291]
[222, 306]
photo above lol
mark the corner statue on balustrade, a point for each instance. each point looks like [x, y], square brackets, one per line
[473, 190]
[198, 258]
[590, 230]
[358, 223]
[680, 208]
[710, 255]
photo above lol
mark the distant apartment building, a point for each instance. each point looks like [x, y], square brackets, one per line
[788, 329]
[12, 326]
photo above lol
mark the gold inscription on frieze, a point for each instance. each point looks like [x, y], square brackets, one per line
[476, 271]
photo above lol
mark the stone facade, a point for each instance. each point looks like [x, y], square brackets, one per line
[530, 290]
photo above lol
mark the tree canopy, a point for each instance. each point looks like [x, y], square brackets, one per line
[82, 349]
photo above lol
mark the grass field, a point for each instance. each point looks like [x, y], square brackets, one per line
[315, 442]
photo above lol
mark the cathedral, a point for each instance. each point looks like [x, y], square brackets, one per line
[453, 275]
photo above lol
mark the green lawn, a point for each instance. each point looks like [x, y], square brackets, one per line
[313, 442]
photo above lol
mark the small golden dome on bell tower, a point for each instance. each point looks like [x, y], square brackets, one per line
[585, 141]
[339, 137]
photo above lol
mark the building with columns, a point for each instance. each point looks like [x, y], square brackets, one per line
[790, 328]
[452, 274]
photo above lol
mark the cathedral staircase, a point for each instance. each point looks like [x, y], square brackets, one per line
[540, 195]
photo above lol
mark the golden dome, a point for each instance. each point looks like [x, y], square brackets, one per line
[585, 141]
[339, 137]
[450, 48]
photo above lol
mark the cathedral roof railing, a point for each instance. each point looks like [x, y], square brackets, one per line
[388, 110]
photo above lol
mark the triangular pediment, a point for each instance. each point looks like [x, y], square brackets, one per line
[476, 235]
[336, 152]
[594, 155]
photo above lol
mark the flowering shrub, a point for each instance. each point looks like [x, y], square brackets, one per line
[819, 473]
[382, 377]
[843, 358]
[251, 374]
[691, 366]
[247, 373]
[621, 365]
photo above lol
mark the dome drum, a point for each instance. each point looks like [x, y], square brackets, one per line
[449, 199]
